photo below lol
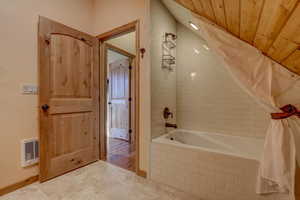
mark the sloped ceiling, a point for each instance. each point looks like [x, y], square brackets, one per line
[273, 26]
[181, 14]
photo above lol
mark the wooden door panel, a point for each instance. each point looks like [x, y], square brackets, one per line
[62, 164]
[71, 132]
[70, 67]
[119, 99]
[119, 82]
[69, 96]
[120, 112]
[58, 106]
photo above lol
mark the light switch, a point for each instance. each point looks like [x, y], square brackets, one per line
[29, 89]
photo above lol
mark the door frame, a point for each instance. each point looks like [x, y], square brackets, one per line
[135, 80]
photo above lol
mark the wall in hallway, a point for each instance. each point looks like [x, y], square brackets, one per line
[113, 56]
[125, 42]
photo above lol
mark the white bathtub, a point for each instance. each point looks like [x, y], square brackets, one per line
[232, 145]
[208, 165]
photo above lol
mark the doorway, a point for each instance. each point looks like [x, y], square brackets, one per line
[120, 74]
[119, 135]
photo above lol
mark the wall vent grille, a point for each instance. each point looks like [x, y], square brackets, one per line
[29, 152]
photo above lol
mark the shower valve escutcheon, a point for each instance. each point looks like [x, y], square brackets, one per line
[167, 113]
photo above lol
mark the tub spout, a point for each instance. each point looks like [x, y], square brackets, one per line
[171, 125]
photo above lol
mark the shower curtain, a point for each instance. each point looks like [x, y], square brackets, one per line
[268, 83]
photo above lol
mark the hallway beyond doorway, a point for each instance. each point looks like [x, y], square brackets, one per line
[120, 153]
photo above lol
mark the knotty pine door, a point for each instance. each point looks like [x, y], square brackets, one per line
[68, 100]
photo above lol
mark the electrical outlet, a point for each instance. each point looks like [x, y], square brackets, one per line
[29, 89]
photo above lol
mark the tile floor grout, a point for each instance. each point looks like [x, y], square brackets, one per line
[98, 181]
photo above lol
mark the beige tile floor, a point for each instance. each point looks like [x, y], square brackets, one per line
[98, 181]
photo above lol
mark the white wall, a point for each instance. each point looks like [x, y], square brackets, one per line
[208, 99]
[18, 65]
[113, 56]
[125, 42]
[163, 82]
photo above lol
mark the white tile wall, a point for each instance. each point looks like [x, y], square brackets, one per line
[208, 99]
[163, 82]
[200, 92]
[208, 175]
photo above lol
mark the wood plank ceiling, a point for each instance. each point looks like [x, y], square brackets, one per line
[273, 26]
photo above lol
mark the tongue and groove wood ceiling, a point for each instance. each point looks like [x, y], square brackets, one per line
[273, 26]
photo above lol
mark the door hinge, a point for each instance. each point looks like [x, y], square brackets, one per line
[107, 81]
[130, 67]
[130, 131]
[143, 51]
[129, 99]
[47, 39]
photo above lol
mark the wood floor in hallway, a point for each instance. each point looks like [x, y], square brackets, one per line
[120, 153]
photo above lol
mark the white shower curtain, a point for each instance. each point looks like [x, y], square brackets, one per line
[266, 81]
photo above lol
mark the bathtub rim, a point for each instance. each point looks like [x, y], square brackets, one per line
[163, 140]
